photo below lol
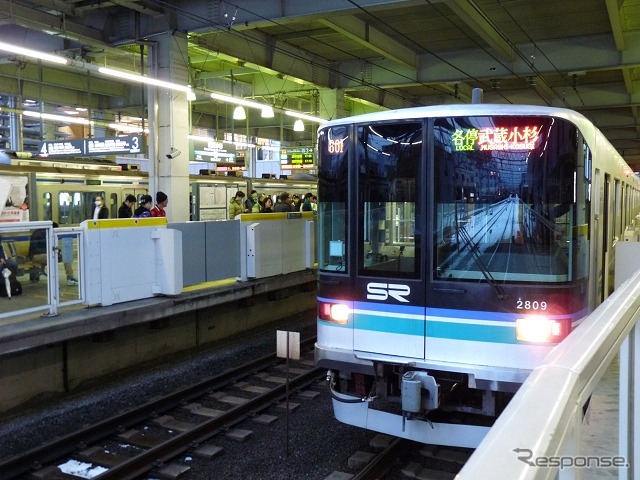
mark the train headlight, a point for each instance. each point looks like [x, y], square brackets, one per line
[539, 329]
[333, 312]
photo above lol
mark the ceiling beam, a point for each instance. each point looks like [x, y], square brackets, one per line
[474, 17]
[373, 39]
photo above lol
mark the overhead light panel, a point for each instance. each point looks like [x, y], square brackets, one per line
[27, 52]
[58, 118]
[147, 80]
[304, 116]
[237, 101]
[128, 128]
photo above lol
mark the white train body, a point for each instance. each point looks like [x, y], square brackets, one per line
[457, 245]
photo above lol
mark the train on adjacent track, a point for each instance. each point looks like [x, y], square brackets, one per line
[457, 245]
[64, 190]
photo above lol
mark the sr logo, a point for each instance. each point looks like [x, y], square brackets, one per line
[382, 291]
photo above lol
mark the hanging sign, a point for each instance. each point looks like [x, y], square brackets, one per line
[130, 144]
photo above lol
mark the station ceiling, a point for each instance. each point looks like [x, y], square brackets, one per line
[578, 54]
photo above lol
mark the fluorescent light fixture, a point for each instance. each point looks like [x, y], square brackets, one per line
[142, 79]
[128, 128]
[201, 138]
[239, 113]
[267, 110]
[298, 126]
[238, 101]
[27, 52]
[303, 116]
[58, 118]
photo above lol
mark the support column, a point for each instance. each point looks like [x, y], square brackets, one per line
[168, 170]
[332, 104]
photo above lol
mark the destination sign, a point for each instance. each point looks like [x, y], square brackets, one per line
[513, 138]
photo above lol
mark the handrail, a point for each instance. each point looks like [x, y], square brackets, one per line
[52, 280]
[544, 418]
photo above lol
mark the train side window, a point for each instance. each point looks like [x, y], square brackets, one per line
[65, 208]
[113, 205]
[47, 213]
[76, 208]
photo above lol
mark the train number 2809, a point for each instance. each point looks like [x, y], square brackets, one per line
[529, 305]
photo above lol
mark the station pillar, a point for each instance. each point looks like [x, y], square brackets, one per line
[169, 142]
[332, 104]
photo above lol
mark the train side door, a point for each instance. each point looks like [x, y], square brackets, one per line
[388, 309]
[600, 216]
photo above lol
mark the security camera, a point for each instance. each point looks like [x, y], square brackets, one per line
[173, 153]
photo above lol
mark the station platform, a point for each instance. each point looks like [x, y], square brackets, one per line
[32, 330]
[600, 428]
[44, 354]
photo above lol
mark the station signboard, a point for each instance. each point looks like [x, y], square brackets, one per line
[214, 151]
[130, 144]
[237, 164]
[297, 158]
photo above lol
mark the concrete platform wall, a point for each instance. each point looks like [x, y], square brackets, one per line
[35, 373]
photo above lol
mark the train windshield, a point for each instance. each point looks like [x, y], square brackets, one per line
[511, 200]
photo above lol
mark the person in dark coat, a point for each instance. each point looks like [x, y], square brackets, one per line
[267, 205]
[125, 210]
[285, 203]
[306, 205]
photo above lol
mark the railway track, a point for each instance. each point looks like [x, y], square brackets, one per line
[163, 428]
[396, 458]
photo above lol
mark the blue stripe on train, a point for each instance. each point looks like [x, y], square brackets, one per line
[453, 313]
[476, 333]
[436, 329]
[445, 329]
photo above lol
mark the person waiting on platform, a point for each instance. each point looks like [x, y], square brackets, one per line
[251, 203]
[306, 205]
[267, 206]
[125, 210]
[100, 211]
[296, 204]
[236, 205]
[285, 203]
[161, 203]
[144, 210]
[38, 255]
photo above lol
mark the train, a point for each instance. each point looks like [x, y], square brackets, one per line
[457, 245]
[63, 190]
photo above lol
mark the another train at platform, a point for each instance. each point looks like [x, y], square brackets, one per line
[64, 190]
[457, 245]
